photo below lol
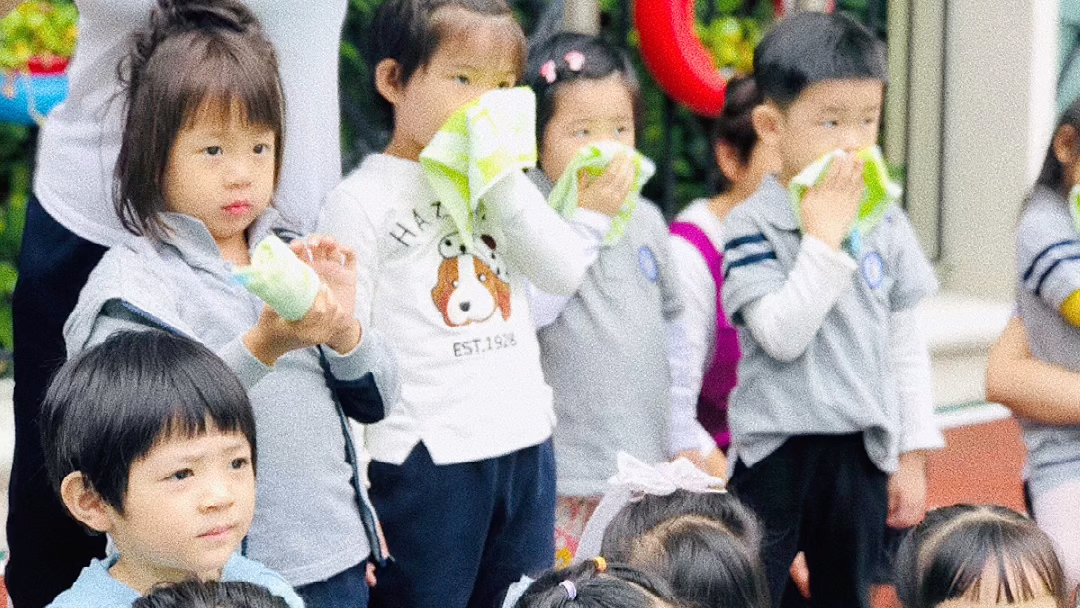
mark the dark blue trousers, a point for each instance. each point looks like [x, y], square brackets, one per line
[346, 589]
[460, 534]
[48, 549]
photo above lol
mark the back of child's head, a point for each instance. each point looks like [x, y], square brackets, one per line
[734, 127]
[210, 594]
[982, 553]
[704, 544]
[196, 59]
[570, 57]
[109, 406]
[410, 32]
[597, 584]
[811, 47]
[1054, 174]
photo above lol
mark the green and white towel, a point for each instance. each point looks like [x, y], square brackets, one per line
[1074, 205]
[280, 279]
[479, 145]
[593, 159]
[879, 193]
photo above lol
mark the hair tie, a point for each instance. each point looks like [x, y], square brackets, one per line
[601, 564]
[570, 588]
[575, 60]
[548, 71]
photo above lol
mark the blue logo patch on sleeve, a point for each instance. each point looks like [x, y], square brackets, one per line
[873, 269]
[647, 263]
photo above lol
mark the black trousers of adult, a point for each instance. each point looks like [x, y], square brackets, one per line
[820, 494]
[48, 548]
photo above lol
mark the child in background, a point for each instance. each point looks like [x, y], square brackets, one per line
[462, 468]
[596, 584]
[832, 412]
[197, 169]
[613, 388]
[697, 247]
[153, 443]
[209, 594]
[979, 556]
[1048, 304]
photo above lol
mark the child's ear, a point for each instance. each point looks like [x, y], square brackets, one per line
[768, 119]
[1065, 145]
[729, 161]
[85, 504]
[388, 80]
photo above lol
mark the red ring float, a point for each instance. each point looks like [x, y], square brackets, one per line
[675, 56]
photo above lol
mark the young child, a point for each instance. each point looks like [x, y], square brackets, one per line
[209, 594]
[834, 387]
[977, 556]
[613, 388]
[697, 246]
[462, 469]
[153, 443]
[197, 168]
[596, 584]
[1047, 243]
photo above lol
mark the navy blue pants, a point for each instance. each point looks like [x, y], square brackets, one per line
[48, 548]
[347, 589]
[820, 494]
[460, 534]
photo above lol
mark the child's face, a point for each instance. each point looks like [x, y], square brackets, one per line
[477, 56]
[221, 171]
[826, 116]
[586, 111]
[189, 503]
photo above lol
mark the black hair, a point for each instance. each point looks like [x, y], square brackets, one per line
[945, 557]
[735, 124]
[613, 586]
[811, 47]
[107, 407]
[193, 54]
[637, 518]
[411, 31]
[1052, 175]
[601, 61]
[194, 593]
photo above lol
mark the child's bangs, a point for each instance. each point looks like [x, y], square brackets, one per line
[222, 90]
[464, 28]
[196, 407]
[1023, 575]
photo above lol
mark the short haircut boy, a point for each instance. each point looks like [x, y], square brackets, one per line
[109, 406]
[811, 47]
[413, 46]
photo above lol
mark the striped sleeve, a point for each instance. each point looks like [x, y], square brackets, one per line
[751, 266]
[1048, 252]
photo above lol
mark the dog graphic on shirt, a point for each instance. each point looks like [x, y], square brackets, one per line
[472, 284]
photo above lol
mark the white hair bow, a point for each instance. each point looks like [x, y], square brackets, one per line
[635, 480]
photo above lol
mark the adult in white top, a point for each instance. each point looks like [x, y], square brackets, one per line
[71, 220]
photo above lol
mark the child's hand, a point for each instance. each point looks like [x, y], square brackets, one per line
[715, 464]
[607, 192]
[336, 266]
[273, 335]
[907, 491]
[829, 208]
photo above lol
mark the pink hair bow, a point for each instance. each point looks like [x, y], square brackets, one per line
[548, 71]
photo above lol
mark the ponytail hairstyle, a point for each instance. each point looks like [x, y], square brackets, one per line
[977, 552]
[596, 584]
[1052, 175]
[735, 125]
[193, 56]
[568, 57]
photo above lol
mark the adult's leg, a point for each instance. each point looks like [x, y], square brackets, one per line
[775, 489]
[48, 548]
[844, 525]
[1055, 512]
[521, 539]
[435, 518]
[346, 589]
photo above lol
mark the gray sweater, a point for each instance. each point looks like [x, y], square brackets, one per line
[308, 521]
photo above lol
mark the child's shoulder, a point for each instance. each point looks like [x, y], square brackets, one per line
[95, 588]
[1044, 208]
[769, 204]
[381, 175]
